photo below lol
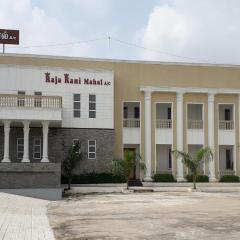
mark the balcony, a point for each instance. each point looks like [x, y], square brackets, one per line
[226, 125]
[163, 123]
[195, 124]
[31, 107]
[131, 123]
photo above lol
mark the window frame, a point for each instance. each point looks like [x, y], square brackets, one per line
[37, 145]
[91, 102]
[20, 152]
[95, 147]
[75, 110]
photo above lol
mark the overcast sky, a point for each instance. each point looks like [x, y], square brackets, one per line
[200, 30]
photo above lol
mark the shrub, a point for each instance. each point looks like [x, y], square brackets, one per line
[93, 178]
[229, 178]
[200, 178]
[163, 177]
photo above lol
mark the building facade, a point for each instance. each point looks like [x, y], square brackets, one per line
[110, 106]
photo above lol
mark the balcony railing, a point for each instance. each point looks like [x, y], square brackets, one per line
[163, 123]
[195, 124]
[131, 123]
[30, 101]
[226, 125]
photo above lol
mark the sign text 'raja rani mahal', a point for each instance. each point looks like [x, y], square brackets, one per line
[76, 81]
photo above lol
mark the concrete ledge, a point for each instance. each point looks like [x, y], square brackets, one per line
[189, 184]
[52, 194]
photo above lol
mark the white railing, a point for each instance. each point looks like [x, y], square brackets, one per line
[30, 101]
[163, 123]
[195, 124]
[131, 123]
[226, 172]
[226, 125]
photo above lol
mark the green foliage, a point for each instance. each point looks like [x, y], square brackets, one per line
[74, 156]
[94, 178]
[193, 164]
[163, 177]
[200, 178]
[124, 167]
[229, 178]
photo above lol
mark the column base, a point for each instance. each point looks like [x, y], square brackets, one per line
[44, 159]
[212, 179]
[147, 179]
[181, 179]
[25, 160]
[6, 160]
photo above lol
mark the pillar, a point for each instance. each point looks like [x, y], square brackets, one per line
[148, 129]
[6, 141]
[211, 142]
[180, 177]
[26, 141]
[45, 141]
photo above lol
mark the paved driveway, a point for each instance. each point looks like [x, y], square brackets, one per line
[23, 218]
[147, 216]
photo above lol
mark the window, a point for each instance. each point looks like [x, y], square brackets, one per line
[20, 148]
[169, 158]
[228, 159]
[76, 105]
[169, 112]
[227, 114]
[21, 98]
[92, 106]
[91, 149]
[37, 99]
[75, 141]
[37, 148]
[136, 112]
[125, 112]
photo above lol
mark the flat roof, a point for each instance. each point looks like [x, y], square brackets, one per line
[118, 60]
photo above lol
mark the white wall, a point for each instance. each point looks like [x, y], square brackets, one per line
[30, 79]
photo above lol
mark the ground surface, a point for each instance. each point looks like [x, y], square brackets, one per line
[23, 218]
[147, 216]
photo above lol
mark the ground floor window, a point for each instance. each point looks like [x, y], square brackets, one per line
[37, 148]
[20, 148]
[91, 149]
[169, 158]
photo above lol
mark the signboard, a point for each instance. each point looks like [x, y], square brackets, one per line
[8, 36]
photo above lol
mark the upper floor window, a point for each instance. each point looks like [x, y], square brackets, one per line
[76, 105]
[38, 99]
[92, 106]
[136, 112]
[21, 98]
[125, 112]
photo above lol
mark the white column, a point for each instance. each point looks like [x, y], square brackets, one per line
[180, 177]
[211, 142]
[26, 141]
[45, 141]
[6, 141]
[148, 130]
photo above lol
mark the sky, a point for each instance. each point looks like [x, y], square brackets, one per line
[205, 31]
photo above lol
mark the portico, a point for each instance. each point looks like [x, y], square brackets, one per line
[208, 132]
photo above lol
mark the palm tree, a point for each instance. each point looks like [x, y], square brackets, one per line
[125, 167]
[193, 163]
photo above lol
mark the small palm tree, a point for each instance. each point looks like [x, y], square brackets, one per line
[125, 167]
[193, 163]
[74, 156]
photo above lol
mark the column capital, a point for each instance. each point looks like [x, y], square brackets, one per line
[180, 95]
[148, 94]
[6, 123]
[211, 97]
[45, 123]
[26, 124]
